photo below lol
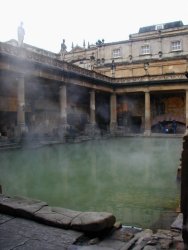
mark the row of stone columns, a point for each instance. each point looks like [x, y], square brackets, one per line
[63, 108]
[113, 109]
[113, 113]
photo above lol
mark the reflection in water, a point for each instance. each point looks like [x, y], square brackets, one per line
[134, 178]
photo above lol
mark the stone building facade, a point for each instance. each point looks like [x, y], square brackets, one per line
[134, 86]
[154, 50]
[157, 51]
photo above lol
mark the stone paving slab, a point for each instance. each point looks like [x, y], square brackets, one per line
[19, 233]
[111, 243]
[20, 205]
[4, 218]
[57, 217]
[54, 216]
[89, 248]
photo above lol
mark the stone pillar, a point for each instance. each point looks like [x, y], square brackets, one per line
[63, 105]
[113, 112]
[92, 107]
[91, 129]
[21, 105]
[186, 110]
[147, 114]
[63, 126]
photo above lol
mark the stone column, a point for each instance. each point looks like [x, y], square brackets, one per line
[186, 110]
[21, 105]
[63, 126]
[92, 107]
[113, 112]
[63, 105]
[147, 114]
[91, 129]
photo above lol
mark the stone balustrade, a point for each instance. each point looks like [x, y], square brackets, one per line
[53, 61]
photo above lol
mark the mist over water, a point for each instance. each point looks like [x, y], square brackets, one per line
[134, 178]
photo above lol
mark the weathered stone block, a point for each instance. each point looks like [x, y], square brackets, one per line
[56, 216]
[178, 223]
[53, 218]
[20, 206]
[93, 221]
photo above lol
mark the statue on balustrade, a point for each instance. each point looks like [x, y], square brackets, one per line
[21, 34]
[63, 49]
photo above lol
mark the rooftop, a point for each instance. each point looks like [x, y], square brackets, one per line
[170, 25]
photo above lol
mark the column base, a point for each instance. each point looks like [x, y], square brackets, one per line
[113, 128]
[21, 130]
[147, 132]
[62, 131]
[92, 130]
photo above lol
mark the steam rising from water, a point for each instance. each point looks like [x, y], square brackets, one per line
[133, 178]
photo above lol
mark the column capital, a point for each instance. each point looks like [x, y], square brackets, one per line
[147, 91]
[20, 75]
[92, 91]
[62, 85]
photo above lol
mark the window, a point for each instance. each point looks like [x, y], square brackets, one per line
[116, 53]
[176, 45]
[159, 26]
[145, 49]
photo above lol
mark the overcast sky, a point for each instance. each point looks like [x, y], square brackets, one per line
[48, 22]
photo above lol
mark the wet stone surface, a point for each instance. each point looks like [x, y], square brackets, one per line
[145, 239]
[56, 216]
[97, 230]
[19, 233]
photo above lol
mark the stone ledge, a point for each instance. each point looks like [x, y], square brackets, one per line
[55, 216]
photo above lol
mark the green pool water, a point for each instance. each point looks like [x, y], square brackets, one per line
[134, 178]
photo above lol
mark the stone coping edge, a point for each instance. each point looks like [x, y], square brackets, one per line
[91, 222]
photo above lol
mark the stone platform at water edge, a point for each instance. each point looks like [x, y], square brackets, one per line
[56, 216]
[21, 233]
